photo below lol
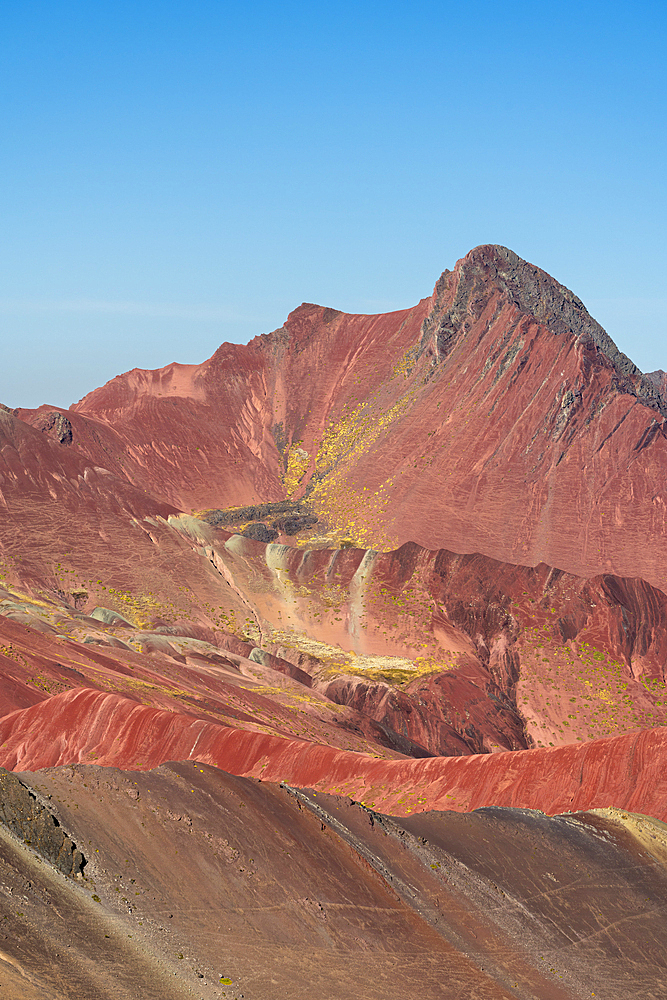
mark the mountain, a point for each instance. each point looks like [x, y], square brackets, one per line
[495, 416]
[413, 560]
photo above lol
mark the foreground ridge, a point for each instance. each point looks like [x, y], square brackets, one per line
[626, 771]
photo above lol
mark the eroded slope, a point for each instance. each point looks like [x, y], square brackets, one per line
[219, 886]
[496, 416]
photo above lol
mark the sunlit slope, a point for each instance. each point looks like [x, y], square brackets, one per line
[496, 416]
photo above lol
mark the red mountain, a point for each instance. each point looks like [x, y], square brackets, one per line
[495, 416]
[361, 553]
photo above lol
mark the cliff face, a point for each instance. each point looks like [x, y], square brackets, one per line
[496, 416]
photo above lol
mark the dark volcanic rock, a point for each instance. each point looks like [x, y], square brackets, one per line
[255, 512]
[59, 427]
[260, 532]
[292, 524]
[659, 380]
[30, 820]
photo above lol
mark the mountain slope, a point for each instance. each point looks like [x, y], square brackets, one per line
[416, 560]
[201, 884]
[495, 417]
[496, 414]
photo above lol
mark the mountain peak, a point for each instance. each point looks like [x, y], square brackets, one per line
[493, 272]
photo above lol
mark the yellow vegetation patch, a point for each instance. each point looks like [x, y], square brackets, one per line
[25, 598]
[13, 654]
[356, 513]
[140, 609]
[48, 684]
[395, 670]
[298, 462]
[353, 515]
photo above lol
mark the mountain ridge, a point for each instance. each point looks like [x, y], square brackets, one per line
[535, 293]
[466, 403]
[410, 563]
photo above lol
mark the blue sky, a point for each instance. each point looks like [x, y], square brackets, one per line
[177, 174]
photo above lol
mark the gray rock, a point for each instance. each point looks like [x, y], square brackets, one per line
[292, 524]
[535, 293]
[29, 820]
[256, 512]
[109, 617]
[60, 426]
[260, 532]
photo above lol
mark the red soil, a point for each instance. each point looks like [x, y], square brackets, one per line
[94, 727]
[577, 658]
[493, 417]
[182, 678]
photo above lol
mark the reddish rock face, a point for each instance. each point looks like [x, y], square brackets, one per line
[496, 416]
[627, 772]
[433, 424]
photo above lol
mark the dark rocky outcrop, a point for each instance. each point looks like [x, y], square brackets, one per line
[255, 512]
[260, 532]
[462, 295]
[288, 517]
[59, 427]
[30, 821]
[292, 524]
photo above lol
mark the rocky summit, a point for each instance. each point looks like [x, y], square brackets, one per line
[335, 665]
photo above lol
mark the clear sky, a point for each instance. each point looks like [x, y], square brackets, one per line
[176, 174]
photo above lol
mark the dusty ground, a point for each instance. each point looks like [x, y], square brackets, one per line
[203, 885]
